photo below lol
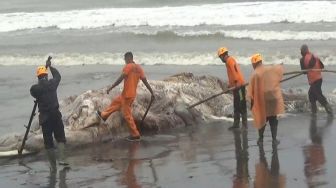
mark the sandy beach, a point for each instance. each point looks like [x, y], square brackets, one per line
[87, 40]
[196, 156]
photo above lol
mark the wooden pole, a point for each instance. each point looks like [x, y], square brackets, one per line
[305, 71]
[28, 129]
[233, 88]
[147, 110]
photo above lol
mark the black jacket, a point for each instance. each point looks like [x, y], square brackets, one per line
[45, 92]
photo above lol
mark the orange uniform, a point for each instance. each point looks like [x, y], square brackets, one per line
[265, 92]
[313, 76]
[235, 76]
[133, 73]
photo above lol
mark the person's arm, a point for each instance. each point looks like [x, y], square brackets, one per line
[54, 72]
[117, 82]
[322, 65]
[302, 64]
[250, 91]
[144, 80]
[56, 76]
[234, 72]
[34, 91]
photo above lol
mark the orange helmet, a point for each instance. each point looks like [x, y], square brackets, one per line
[221, 51]
[256, 58]
[41, 70]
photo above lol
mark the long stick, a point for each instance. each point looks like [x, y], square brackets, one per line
[28, 129]
[233, 88]
[214, 96]
[147, 110]
[304, 71]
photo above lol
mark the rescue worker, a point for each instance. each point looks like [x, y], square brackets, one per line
[50, 118]
[131, 75]
[311, 61]
[236, 79]
[265, 96]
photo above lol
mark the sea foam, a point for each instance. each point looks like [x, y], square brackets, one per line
[224, 14]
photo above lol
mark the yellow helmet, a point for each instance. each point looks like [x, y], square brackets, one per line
[41, 70]
[256, 58]
[221, 51]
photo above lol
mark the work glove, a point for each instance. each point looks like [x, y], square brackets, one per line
[48, 62]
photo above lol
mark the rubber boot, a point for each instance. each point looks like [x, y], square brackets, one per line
[261, 136]
[328, 109]
[274, 131]
[236, 121]
[313, 109]
[61, 154]
[244, 121]
[52, 160]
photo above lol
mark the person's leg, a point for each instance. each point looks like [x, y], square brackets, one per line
[321, 98]
[243, 108]
[312, 100]
[126, 108]
[236, 110]
[261, 135]
[114, 106]
[59, 135]
[49, 143]
[273, 121]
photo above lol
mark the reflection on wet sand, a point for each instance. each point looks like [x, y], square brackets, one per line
[241, 178]
[129, 178]
[314, 155]
[268, 176]
[62, 179]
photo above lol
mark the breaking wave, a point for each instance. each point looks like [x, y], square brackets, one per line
[67, 59]
[225, 14]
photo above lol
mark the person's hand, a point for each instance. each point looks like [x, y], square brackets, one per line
[108, 90]
[48, 62]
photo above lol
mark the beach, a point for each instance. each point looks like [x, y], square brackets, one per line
[197, 156]
[88, 39]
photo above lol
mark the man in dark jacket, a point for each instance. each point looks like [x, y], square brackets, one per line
[50, 118]
[311, 61]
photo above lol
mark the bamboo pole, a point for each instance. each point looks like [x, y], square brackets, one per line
[305, 71]
[233, 88]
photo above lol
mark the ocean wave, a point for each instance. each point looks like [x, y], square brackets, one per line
[146, 59]
[264, 35]
[225, 14]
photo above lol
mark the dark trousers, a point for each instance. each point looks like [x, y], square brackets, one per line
[52, 125]
[315, 94]
[239, 105]
[273, 121]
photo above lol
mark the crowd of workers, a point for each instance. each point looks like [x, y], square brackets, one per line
[263, 94]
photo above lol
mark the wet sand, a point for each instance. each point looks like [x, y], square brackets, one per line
[196, 156]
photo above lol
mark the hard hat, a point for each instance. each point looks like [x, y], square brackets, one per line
[41, 70]
[222, 50]
[256, 58]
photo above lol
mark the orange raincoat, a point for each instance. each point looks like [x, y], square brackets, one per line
[264, 91]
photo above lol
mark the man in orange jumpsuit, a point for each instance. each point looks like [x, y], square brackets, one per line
[236, 79]
[310, 61]
[265, 96]
[131, 75]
